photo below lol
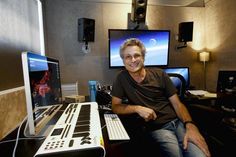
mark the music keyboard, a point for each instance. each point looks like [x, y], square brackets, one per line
[76, 133]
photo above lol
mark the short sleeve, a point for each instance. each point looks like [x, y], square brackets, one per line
[117, 87]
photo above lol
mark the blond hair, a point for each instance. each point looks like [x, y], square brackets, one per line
[132, 42]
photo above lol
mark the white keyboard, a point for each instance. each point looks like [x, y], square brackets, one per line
[115, 128]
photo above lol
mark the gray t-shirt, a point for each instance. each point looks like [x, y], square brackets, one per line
[152, 92]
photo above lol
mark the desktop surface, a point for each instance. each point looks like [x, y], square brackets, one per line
[136, 145]
[28, 147]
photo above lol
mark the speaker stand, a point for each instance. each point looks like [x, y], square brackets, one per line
[180, 47]
[135, 25]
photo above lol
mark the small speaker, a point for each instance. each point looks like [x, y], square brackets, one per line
[86, 29]
[185, 31]
[138, 12]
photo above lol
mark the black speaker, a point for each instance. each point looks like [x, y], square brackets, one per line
[138, 12]
[86, 29]
[185, 31]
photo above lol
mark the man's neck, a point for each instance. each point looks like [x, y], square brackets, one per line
[138, 76]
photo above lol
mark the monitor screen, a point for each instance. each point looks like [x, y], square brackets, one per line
[42, 87]
[184, 71]
[156, 43]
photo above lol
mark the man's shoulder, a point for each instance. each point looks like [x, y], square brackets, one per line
[157, 71]
[122, 74]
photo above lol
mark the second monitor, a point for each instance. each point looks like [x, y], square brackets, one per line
[183, 71]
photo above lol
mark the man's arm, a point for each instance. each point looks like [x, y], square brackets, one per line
[119, 108]
[144, 112]
[192, 132]
[180, 108]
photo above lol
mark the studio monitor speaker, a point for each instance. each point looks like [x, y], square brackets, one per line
[86, 29]
[138, 12]
[185, 31]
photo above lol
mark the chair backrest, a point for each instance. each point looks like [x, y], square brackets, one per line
[179, 83]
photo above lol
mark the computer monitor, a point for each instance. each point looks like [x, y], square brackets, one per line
[42, 89]
[156, 43]
[183, 71]
[226, 88]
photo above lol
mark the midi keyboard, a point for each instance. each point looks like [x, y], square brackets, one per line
[76, 133]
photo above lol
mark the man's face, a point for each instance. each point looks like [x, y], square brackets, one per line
[133, 59]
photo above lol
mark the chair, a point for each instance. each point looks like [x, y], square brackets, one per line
[179, 83]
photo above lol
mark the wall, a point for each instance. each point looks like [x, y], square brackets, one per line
[214, 30]
[220, 38]
[61, 36]
[18, 32]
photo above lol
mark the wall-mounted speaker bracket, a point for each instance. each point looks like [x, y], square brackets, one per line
[181, 46]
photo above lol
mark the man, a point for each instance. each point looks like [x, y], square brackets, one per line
[152, 96]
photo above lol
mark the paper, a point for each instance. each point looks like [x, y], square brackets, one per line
[202, 93]
[197, 92]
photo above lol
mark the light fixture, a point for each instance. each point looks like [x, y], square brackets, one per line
[204, 57]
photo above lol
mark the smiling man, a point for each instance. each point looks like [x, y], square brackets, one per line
[153, 97]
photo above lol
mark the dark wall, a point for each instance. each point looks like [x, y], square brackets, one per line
[18, 32]
[214, 31]
[61, 36]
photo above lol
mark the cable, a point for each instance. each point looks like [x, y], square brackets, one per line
[18, 134]
[17, 137]
[103, 126]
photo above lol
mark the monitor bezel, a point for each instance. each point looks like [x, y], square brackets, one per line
[181, 67]
[32, 128]
[138, 30]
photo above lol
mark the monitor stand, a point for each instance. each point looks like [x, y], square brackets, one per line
[45, 125]
[42, 133]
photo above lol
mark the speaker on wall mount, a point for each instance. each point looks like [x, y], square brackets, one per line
[185, 31]
[86, 29]
[138, 11]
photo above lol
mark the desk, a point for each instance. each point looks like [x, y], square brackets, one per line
[220, 138]
[28, 147]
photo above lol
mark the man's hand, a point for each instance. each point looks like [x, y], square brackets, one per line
[193, 135]
[146, 113]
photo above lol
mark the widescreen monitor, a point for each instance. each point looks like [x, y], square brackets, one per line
[156, 42]
[183, 71]
[42, 89]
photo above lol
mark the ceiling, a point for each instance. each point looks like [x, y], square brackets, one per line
[176, 3]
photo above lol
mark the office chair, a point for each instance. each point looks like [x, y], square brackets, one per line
[179, 83]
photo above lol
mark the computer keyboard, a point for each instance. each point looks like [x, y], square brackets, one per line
[115, 128]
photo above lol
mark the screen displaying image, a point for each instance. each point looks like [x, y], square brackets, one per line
[155, 41]
[42, 89]
[44, 80]
[183, 71]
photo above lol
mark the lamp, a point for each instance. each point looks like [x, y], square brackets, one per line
[204, 57]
